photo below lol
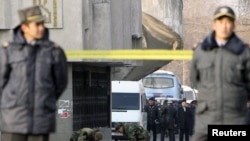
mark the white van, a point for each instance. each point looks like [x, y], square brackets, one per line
[189, 93]
[128, 101]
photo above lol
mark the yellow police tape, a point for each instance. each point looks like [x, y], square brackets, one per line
[131, 54]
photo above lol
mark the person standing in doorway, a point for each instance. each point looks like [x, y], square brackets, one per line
[152, 117]
[220, 71]
[33, 75]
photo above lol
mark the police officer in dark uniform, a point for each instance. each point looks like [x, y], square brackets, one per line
[192, 119]
[152, 117]
[171, 119]
[163, 121]
[184, 115]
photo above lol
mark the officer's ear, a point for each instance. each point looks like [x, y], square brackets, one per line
[24, 27]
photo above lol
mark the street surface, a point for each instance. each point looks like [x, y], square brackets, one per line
[166, 138]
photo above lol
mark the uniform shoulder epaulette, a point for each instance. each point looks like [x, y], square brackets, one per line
[6, 45]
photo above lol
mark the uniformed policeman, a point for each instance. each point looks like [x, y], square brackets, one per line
[152, 117]
[220, 71]
[163, 121]
[33, 76]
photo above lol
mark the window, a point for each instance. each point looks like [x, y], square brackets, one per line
[157, 82]
[189, 95]
[126, 101]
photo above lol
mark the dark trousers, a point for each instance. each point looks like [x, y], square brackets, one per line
[153, 129]
[23, 137]
[176, 129]
[184, 132]
[171, 134]
[163, 133]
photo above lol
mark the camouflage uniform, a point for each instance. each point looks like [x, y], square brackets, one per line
[85, 134]
[136, 132]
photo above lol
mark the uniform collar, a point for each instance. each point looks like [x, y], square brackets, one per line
[234, 44]
[18, 36]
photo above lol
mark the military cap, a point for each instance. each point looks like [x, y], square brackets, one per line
[224, 11]
[194, 101]
[31, 14]
[152, 98]
[183, 100]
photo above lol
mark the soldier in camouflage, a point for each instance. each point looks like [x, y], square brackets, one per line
[133, 132]
[86, 134]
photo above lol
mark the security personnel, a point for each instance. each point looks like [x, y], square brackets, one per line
[163, 121]
[33, 76]
[152, 117]
[133, 132]
[87, 134]
[220, 71]
[192, 119]
[171, 119]
[184, 116]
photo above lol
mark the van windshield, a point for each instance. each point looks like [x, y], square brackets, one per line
[157, 82]
[126, 101]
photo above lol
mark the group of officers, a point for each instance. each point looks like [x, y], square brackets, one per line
[168, 119]
[173, 117]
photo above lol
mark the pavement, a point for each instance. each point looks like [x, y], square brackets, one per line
[106, 134]
[167, 139]
[159, 138]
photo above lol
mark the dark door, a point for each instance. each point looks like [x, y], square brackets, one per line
[91, 96]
